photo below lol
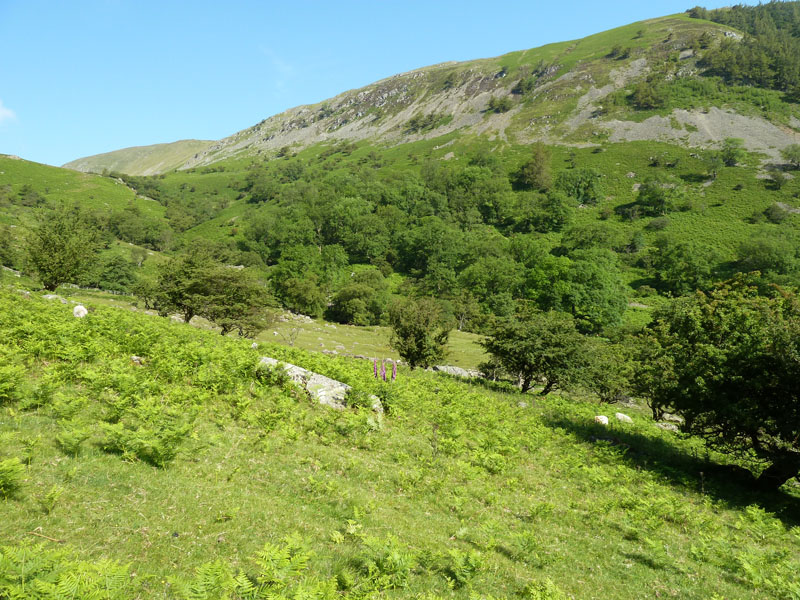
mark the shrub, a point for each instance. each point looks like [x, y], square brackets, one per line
[658, 224]
[11, 471]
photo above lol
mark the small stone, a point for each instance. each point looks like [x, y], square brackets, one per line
[137, 360]
[668, 427]
[254, 345]
[622, 417]
[670, 418]
[79, 311]
[522, 404]
[601, 420]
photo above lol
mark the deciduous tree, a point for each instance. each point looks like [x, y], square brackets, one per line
[419, 333]
[59, 246]
[728, 361]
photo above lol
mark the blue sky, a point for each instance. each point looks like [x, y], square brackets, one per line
[90, 76]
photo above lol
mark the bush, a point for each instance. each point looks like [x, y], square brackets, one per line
[499, 105]
[11, 472]
[776, 214]
[658, 224]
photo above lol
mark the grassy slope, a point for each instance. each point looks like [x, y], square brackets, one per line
[534, 493]
[141, 160]
[65, 185]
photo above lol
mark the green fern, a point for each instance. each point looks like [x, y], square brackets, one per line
[277, 565]
[11, 472]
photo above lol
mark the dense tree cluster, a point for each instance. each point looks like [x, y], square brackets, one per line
[455, 230]
[769, 56]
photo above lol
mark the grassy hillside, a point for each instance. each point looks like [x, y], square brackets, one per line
[197, 474]
[141, 160]
[57, 185]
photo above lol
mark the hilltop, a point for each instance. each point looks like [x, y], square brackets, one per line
[566, 93]
[142, 160]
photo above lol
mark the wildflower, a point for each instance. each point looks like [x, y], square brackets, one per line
[383, 370]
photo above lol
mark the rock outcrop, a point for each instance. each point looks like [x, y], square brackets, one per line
[323, 389]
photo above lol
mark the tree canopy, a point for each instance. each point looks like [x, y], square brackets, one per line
[419, 331]
[535, 346]
[728, 361]
[59, 246]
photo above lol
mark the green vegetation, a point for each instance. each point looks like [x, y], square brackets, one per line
[727, 362]
[174, 466]
[419, 333]
[456, 491]
[768, 55]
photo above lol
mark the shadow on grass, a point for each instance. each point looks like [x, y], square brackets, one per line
[728, 483]
[695, 177]
[504, 387]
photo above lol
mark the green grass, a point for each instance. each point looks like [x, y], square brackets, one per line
[64, 185]
[142, 160]
[372, 342]
[454, 475]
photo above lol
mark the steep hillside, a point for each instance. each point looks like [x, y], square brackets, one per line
[571, 92]
[190, 472]
[121, 218]
[141, 160]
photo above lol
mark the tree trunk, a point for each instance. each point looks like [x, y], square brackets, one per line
[548, 388]
[782, 469]
[525, 385]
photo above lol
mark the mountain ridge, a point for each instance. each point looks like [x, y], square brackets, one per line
[151, 159]
[566, 82]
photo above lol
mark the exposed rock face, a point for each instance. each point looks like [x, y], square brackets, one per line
[457, 371]
[323, 389]
[623, 418]
[668, 427]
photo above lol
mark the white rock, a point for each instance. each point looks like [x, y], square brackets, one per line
[254, 345]
[601, 419]
[79, 311]
[668, 426]
[623, 418]
[323, 389]
[137, 360]
[670, 418]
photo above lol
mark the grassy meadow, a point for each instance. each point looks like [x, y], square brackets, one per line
[198, 475]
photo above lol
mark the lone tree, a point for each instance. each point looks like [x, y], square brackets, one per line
[59, 246]
[235, 301]
[728, 361]
[194, 283]
[732, 151]
[419, 331]
[792, 154]
[535, 173]
[539, 346]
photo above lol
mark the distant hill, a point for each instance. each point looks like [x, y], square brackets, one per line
[580, 92]
[645, 81]
[141, 160]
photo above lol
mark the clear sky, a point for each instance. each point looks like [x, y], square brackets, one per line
[82, 77]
